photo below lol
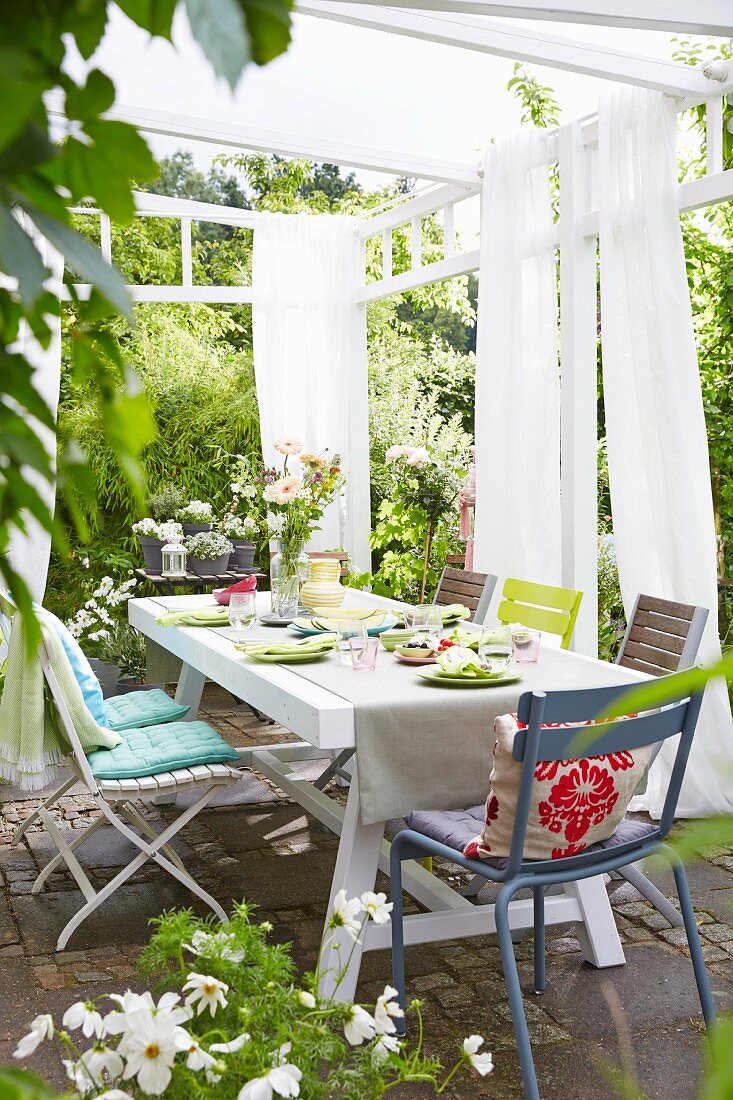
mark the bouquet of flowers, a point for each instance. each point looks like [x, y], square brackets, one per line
[296, 501]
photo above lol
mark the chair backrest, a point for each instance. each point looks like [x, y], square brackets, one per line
[64, 715]
[534, 744]
[472, 589]
[662, 636]
[540, 607]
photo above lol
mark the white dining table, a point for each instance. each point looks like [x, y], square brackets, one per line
[324, 723]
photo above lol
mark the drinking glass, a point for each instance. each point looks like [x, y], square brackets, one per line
[495, 658]
[526, 645]
[496, 635]
[435, 620]
[242, 611]
[364, 653]
[347, 629]
[417, 618]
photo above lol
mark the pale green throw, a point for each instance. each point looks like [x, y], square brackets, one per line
[32, 741]
[205, 616]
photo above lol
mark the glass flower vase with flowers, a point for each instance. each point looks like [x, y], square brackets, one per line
[296, 501]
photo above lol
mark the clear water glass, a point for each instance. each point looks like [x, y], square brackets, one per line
[242, 611]
[526, 645]
[496, 659]
[497, 635]
[435, 620]
[364, 653]
[417, 618]
[347, 629]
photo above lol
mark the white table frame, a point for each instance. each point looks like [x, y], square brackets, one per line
[325, 722]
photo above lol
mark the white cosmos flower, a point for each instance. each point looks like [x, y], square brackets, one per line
[345, 913]
[215, 945]
[84, 1014]
[168, 1007]
[89, 1071]
[114, 1094]
[151, 1046]
[283, 1079]
[359, 1026]
[387, 1010]
[384, 1046]
[377, 906]
[482, 1063]
[306, 999]
[207, 991]
[197, 1058]
[41, 1028]
[232, 1046]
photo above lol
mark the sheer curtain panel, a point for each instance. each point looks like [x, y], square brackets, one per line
[309, 337]
[517, 379]
[657, 441]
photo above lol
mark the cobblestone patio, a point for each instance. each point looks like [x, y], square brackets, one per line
[236, 849]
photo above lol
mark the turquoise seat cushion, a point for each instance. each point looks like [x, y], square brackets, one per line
[163, 748]
[89, 685]
[142, 708]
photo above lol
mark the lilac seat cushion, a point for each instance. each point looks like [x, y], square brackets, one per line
[456, 828]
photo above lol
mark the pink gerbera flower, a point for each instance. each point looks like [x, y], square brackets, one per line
[288, 445]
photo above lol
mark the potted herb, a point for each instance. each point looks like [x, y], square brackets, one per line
[124, 647]
[208, 553]
[148, 535]
[196, 516]
[166, 502]
[239, 530]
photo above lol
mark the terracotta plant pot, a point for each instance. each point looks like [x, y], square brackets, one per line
[244, 554]
[195, 528]
[151, 549]
[209, 567]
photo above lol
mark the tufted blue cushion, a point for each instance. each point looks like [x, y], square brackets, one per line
[142, 708]
[88, 683]
[161, 749]
[457, 828]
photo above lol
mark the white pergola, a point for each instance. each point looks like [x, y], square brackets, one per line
[481, 25]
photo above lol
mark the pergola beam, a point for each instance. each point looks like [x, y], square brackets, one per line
[503, 40]
[192, 128]
[672, 16]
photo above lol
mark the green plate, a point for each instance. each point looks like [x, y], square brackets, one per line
[286, 658]
[390, 639]
[446, 679]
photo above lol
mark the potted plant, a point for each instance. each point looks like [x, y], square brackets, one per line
[124, 647]
[166, 502]
[148, 535]
[196, 516]
[208, 553]
[239, 530]
[92, 624]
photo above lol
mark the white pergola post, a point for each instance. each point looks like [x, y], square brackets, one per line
[359, 488]
[578, 425]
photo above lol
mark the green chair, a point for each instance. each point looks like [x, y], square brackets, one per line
[540, 607]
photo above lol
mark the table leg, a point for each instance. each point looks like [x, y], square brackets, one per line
[190, 689]
[598, 936]
[355, 872]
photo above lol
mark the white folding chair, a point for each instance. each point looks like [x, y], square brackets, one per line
[112, 797]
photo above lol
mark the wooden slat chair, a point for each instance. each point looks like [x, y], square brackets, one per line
[113, 799]
[662, 636]
[531, 746]
[474, 590]
[540, 607]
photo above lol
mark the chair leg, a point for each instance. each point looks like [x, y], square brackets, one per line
[514, 990]
[648, 890]
[398, 937]
[35, 816]
[540, 977]
[693, 941]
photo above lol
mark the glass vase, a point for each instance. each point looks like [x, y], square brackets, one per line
[286, 575]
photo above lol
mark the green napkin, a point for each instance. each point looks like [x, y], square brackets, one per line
[204, 616]
[320, 644]
[458, 661]
[450, 612]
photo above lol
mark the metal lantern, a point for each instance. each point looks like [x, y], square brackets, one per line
[174, 557]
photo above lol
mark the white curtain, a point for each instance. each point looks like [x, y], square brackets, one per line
[517, 379]
[309, 339]
[29, 553]
[657, 443]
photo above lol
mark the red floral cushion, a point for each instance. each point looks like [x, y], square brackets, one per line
[575, 803]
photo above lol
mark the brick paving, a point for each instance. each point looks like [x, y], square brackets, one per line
[236, 850]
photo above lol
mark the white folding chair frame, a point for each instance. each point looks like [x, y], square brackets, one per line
[118, 793]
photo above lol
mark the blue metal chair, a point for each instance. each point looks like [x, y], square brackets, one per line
[531, 746]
